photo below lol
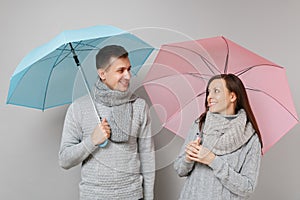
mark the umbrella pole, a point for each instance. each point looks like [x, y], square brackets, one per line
[85, 80]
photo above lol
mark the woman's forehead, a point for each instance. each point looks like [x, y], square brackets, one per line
[217, 83]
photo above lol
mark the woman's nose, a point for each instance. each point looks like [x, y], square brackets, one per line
[209, 96]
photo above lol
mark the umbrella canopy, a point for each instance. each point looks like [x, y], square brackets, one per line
[45, 77]
[176, 84]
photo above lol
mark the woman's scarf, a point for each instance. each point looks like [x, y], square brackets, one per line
[225, 134]
[121, 120]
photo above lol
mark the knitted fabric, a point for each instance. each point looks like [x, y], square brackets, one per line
[225, 134]
[123, 170]
[120, 122]
[230, 176]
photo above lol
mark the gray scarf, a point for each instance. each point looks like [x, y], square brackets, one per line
[121, 120]
[225, 134]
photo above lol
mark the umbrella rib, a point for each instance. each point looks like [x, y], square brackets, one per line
[81, 50]
[173, 115]
[201, 76]
[88, 45]
[69, 52]
[257, 90]
[53, 66]
[254, 66]
[46, 89]
[83, 44]
[227, 56]
[62, 50]
[194, 74]
[57, 61]
[207, 63]
[48, 58]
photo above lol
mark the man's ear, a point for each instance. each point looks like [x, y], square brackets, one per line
[101, 73]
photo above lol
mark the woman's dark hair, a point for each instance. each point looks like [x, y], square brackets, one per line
[103, 57]
[235, 85]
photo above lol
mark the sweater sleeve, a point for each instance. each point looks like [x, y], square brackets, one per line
[147, 155]
[243, 182]
[73, 150]
[181, 165]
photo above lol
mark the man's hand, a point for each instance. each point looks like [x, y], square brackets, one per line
[101, 132]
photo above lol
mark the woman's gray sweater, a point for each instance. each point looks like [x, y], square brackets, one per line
[229, 177]
[117, 171]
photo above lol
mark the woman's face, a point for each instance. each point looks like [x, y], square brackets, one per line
[219, 99]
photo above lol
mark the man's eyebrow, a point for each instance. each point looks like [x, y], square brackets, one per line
[129, 67]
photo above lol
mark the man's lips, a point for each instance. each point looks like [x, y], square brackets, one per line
[124, 83]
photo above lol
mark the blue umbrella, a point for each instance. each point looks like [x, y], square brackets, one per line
[45, 77]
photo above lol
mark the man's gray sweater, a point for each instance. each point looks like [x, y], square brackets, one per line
[117, 171]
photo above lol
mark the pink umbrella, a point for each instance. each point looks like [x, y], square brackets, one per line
[177, 80]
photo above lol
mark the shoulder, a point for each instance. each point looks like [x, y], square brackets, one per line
[193, 130]
[194, 127]
[254, 139]
[82, 100]
[81, 105]
[140, 110]
[254, 143]
[139, 104]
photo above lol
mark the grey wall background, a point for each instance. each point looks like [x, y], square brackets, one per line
[30, 138]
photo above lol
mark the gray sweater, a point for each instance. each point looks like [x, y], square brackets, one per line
[117, 171]
[229, 177]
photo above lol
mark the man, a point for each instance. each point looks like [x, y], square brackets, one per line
[124, 168]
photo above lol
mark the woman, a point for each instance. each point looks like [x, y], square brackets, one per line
[222, 162]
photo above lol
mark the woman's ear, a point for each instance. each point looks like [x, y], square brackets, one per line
[232, 97]
[101, 74]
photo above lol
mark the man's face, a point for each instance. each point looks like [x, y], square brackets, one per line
[117, 75]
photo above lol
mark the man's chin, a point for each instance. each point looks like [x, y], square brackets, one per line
[123, 88]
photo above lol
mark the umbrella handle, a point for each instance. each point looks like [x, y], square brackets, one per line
[103, 144]
[74, 54]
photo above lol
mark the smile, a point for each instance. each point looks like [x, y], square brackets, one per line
[124, 83]
[211, 104]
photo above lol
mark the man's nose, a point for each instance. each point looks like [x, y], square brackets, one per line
[127, 74]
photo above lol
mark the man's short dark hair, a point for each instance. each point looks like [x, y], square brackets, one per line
[103, 57]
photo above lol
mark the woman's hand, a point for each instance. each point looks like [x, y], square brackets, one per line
[198, 153]
[101, 132]
[191, 150]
